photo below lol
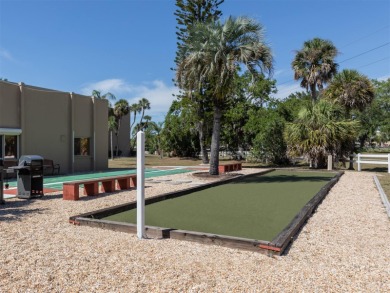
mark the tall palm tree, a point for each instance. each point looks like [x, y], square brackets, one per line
[107, 96]
[314, 65]
[319, 130]
[121, 109]
[144, 104]
[111, 118]
[213, 52]
[134, 108]
[112, 126]
[351, 90]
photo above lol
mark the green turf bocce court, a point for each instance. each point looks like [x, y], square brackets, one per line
[256, 207]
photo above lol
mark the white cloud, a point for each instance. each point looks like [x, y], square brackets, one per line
[285, 90]
[383, 78]
[114, 86]
[6, 55]
[157, 92]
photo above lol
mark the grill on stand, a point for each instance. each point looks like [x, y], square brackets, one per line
[30, 176]
[1, 181]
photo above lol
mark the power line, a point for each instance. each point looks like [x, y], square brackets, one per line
[374, 62]
[365, 52]
[366, 36]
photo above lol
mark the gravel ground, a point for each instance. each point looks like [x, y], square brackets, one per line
[344, 247]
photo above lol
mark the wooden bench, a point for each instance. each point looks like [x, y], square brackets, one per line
[49, 165]
[229, 167]
[91, 186]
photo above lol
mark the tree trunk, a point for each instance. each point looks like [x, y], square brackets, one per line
[117, 136]
[203, 149]
[214, 155]
[313, 92]
[112, 150]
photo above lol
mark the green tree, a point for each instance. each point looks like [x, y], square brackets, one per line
[314, 65]
[266, 127]
[248, 94]
[289, 107]
[153, 141]
[382, 100]
[351, 90]
[318, 131]
[375, 118]
[178, 135]
[189, 13]
[214, 52]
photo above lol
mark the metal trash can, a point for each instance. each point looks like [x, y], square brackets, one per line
[30, 176]
[1, 181]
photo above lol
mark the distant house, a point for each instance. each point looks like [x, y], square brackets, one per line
[68, 128]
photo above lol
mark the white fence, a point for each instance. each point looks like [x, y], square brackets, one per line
[380, 159]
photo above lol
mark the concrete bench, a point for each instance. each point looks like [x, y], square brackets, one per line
[91, 186]
[229, 167]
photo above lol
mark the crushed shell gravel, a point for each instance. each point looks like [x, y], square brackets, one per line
[344, 247]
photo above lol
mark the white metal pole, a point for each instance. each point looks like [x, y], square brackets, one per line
[388, 163]
[359, 166]
[141, 185]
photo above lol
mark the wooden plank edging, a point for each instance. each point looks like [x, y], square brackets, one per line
[286, 236]
[276, 246]
[383, 195]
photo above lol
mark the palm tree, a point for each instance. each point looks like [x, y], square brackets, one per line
[111, 119]
[112, 126]
[121, 109]
[107, 96]
[314, 65]
[351, 90]
[134, 108]
[213, 53]
[319, 130]
[144, 104]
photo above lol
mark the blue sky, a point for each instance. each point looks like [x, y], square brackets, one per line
[127, 47]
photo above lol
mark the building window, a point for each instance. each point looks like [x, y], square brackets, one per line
[81, 147]
[10, 146]
[1, 146]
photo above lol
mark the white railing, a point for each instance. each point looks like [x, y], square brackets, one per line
[381, 159]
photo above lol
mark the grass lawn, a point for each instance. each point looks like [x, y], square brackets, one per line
[153, 160]
[258, 207]
[384, 180]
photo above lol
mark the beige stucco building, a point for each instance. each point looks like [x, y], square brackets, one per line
[68, 128]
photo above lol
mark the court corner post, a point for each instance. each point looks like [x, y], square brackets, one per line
[141, 185]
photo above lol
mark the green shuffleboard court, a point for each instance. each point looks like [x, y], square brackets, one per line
[257, 207]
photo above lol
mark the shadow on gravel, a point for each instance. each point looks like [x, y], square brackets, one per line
[14, 211]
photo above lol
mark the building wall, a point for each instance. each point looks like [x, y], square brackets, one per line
[50, 120]
[9, 105]
[45, 126]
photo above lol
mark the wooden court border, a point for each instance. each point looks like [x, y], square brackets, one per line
[275, 247]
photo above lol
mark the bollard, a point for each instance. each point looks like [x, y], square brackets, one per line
[141, 185]
[330, 162]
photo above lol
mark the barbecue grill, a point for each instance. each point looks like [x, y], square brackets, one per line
[30, 176]
[1, 181]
